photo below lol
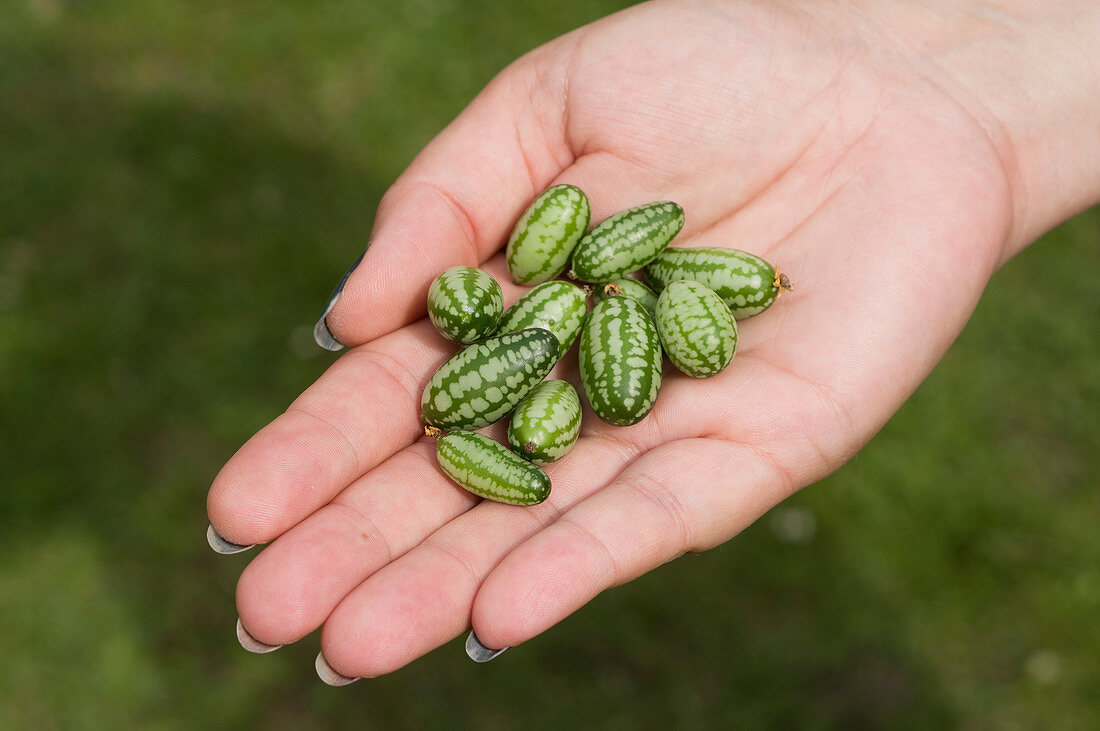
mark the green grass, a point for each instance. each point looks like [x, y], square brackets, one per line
[182, 183]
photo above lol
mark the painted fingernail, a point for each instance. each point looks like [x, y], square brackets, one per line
[250, 643]
[221, 545]
[321, 333]
[479, 652]
[327, 674]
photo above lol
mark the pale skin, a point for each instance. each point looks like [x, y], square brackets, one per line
[889, 157]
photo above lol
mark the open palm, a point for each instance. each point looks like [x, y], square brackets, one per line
[843, 162]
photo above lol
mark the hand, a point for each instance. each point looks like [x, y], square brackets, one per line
[826, 139]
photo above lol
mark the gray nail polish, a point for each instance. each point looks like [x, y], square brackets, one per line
[251, 644]
[221, 545]
[479, 652]
[321, 333]
[327, 674]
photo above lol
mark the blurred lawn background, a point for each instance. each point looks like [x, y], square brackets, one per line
[183, 183]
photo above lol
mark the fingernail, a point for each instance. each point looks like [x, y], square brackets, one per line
[479, 652]
[221, 545]
[321, 333]
[250, 643]
[327, 674]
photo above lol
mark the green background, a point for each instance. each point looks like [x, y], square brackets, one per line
[182, 184]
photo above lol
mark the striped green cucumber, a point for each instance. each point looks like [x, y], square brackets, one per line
[631, 288]
[620, 361]
[546, 233]
[748, 284]
[626, 241]
[487, 469]
[547, 422]
[697, 329]
[465, 304]
[559, 307]
[485, 381]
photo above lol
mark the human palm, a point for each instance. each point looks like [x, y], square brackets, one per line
[847, 164]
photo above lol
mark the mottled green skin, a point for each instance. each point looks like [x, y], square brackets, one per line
[631, 288]
[482, 383]
[465, 304]
[545, 235]
[547, 422]
[744, 281]
[697, 329]
[559, 307]
[626, 241]
[620, 361]
[487, 469]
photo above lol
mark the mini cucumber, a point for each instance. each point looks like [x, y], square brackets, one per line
[745, 282]
[487, 469]
[465, 304]
[631, 288]
[559, 307]
[545, 425]
[546, 233]
[620, 361]
[626, 241]
[485, 381]
[697, 329]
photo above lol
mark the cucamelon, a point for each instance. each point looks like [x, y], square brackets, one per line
[697, 330]
[487, 469]
[626, 241]
[620, 361]
[745, 282]
[559, 307]
[545, 425]
[483, 382]
[465, 304]
[546, 233]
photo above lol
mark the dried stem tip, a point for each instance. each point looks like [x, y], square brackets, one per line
[782, 282]
[432, 431]
[612, 290]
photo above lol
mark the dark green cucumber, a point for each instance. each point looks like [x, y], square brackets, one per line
[465, 304]
[620, 361]
[546, 233]
[559, 307]
[545, 425]
[482, 383]
[626, 241]
[697, 329]
[631, 288]
[487, 469]
[745, 282]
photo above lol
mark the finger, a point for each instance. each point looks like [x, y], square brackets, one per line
[458, 200]
[687, 495]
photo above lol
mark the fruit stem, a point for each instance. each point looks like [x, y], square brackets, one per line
[612, 290]
[432, 431]
[782, 282]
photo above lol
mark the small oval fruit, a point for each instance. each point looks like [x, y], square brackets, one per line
[559, 307]
[631, 288]
[482, 383]
[626, 241]
[545, 425]
[465, 304]
[745, 282]
[697, 330]
[546, 234]
[487, 469]
[620, 361]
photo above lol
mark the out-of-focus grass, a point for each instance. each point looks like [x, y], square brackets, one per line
[182, 183]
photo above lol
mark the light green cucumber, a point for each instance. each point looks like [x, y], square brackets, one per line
[487, 469]
[545, 425]
[630, 288]
[620, 361]
[465, 304]
[745, 282]
[559, 307]
[483, 382]
[546, 233]
[626, 241]
[697, 329]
